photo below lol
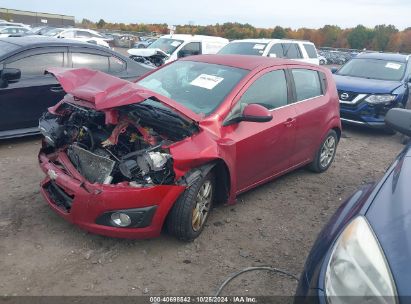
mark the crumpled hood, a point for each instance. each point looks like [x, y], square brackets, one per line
[147, 52]
[106, 92]
[364, 85]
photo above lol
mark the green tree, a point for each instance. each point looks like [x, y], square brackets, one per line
[101, 23]
[360, 37]
[331, 34]
[278, 33]
[382, 36]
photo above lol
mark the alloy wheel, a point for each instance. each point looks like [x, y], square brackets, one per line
[202, 205]
[327, 151]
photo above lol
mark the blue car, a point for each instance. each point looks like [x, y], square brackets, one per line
[369, 85]
[363, 254]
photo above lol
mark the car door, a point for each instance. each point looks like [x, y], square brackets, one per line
[190, 49]
[22, 103]
[263, 149]
[99, 60]
[312, 107]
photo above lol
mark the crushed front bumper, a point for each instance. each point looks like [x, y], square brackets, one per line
[364, 114]
[84, 204]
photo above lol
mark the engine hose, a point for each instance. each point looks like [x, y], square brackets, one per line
[90, 135]
[248, 269]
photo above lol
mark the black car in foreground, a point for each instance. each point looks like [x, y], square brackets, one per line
[363, 254]
[26, 91]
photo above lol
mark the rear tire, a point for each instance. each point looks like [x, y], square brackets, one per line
[325, 154]
[189, 214]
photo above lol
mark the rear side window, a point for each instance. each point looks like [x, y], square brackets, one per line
[91, 61]
[35, 65]
[291, 51]
[192, 48]
[312, 53]
[116, 65]
[276, 51]
[83, 34]
[68, 34]
[307, 84]
[270, 91]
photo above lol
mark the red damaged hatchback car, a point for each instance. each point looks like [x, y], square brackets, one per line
[127, 159]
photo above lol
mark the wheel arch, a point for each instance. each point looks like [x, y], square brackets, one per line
[221, 174]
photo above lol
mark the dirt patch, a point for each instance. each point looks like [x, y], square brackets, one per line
[275, 224]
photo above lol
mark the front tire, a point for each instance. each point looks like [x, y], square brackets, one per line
[325, 154]
[189, 214]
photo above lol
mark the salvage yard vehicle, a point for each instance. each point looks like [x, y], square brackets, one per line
[26, 92]
[300, 50]
[79, 34]
[171, 47]
[369, 85]
[122, 159]
[144, 42]
[362, 254]
[12, 31]
[322, 60]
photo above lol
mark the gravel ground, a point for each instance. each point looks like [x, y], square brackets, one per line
[275, 224]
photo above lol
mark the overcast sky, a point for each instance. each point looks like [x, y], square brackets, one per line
[260, 13]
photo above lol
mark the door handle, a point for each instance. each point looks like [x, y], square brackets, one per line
[289, 122]
[56, 89]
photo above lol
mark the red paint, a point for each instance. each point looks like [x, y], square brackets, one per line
[254, 153]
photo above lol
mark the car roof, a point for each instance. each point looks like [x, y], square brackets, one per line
[13, 26]
[27, 42]
[264, 40]
[35, 41]
[247, 62]
[193, 37]
[384, 56]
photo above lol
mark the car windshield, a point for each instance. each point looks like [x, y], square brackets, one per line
[167, 45]
[373, 69]
[53, 32]
[244, 48]
[198, 86]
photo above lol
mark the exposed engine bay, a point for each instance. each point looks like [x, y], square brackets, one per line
[151, 57]
[133, 149]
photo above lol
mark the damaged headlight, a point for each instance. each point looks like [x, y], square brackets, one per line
[157, 160]
[51, 129]
[146, 165]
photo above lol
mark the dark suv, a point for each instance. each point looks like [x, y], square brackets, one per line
[371, 84]
[26, 92]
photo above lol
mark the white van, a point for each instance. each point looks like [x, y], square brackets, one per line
[168, 48]
[281, 48]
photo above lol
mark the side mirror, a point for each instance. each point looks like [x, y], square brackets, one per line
[399, 120]
[334, 69]
[272, 55]
[9, 75]
[256, 113]
[252, 112]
